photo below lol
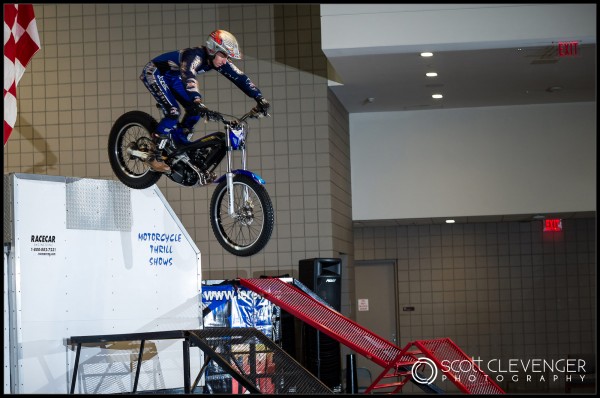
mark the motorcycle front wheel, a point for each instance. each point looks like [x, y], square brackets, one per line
[132, 132]
[249, 229]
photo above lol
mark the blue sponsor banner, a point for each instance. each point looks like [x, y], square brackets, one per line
[237, 306]
[233, 307]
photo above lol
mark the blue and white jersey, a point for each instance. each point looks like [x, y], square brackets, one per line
[190, 62]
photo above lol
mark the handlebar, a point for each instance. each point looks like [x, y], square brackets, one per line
[220, 117]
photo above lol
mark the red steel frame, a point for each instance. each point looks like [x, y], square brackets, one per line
[370, 345]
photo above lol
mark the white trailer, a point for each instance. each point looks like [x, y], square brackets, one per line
[93, 257]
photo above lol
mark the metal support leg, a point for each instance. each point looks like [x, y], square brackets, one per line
[202, 370]
[74, 379]
[186, 366]
[139, 366]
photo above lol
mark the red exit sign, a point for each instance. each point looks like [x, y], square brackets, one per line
[552, 225]
[567, 48]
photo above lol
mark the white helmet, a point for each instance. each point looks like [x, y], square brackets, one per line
[225, 42]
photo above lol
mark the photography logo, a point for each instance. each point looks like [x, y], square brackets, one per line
[424, 371]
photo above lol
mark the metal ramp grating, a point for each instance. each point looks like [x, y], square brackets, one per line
[262, 364]
[325, 319]
[471, 378]
[398, 363]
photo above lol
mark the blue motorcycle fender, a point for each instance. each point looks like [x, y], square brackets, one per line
[250, 174]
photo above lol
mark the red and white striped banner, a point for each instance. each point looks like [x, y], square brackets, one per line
[21, 42]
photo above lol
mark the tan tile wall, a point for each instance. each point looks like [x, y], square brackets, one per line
[86, 75]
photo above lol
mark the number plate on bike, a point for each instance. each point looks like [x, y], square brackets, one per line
[237, 136]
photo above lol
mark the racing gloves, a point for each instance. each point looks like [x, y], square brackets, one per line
[262, 105]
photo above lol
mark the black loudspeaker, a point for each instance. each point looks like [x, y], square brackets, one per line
[288, 334]
[321, 353]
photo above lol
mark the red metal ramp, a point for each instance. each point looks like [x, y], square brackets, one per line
[438, 355]
[457, 366]
[325, 319]
[392, 358]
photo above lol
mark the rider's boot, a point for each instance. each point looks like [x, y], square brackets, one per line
[181, 136]
[155, 159]
[188, 133]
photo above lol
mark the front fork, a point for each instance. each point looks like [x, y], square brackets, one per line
[229, 175]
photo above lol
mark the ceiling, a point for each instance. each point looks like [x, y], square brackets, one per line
[466, 78]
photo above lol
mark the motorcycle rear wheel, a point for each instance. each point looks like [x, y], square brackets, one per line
[132, 131]
[249, 230]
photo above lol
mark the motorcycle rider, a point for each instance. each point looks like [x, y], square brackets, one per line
[171, 78]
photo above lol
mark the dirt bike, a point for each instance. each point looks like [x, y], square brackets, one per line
[241, 211]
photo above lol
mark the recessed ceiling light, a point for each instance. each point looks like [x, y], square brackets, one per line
[431, 74]
[369, 100]
[450, 221]
[437, 96]
[426, 54]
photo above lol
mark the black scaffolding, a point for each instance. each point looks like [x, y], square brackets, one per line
[252, 359]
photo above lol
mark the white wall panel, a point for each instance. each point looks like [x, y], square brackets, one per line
[470, 162]
[393, 28]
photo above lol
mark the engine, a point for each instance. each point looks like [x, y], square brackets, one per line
[192, 171]
[183, 174]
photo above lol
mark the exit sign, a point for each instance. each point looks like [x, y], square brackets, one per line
[567, 48]
[552, 225]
